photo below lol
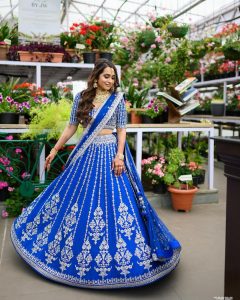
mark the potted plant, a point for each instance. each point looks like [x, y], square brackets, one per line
[8, 36]
[217, 107]
[176, 30]
[37, 52]
[231, 49]
[69, 41]
[145, 39]
[182, 194]
[18, 99]
[136, 98]
[154, 169]
[156, 111]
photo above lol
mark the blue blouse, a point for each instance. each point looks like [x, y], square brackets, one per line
[117, 120]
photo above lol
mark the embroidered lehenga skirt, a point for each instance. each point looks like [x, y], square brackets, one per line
[86, 228]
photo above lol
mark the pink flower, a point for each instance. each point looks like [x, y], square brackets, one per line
[4, 214]
[25, 174]
[3, 184]
[18, 150]
[168, 59]
[11, 189]
[153, 46]
[9, 137]
[158, 39]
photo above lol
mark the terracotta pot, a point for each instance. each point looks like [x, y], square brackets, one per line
[3, 52]
[182, 198]
[40, 56]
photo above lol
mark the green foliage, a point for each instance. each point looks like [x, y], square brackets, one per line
[51, 119]
[9, 32]
[16, 203]
[175, 167]
[136, 97]
[162, 22]
[68, 40]
[145, 39]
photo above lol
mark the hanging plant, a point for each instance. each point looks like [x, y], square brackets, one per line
[231, 50]
[145, 39]
[178, 31]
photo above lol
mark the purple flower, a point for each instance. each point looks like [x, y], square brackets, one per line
[9, 99]
[45, 100]
[1, 98]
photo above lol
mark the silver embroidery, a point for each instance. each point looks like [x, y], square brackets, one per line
[123, 257]
[42, 238]
[70, 220]
[143, 252]
[84, 259]
[97, 224]
[31, 229]
[125, 220]
[53, 248]
[23, 217]
[66, 254]
[103, 259]
[50, 208]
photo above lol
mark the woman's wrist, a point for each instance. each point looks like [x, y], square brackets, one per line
[54, 150]
[120, 156]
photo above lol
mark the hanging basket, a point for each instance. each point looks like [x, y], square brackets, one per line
[178, 31]
[231, 51]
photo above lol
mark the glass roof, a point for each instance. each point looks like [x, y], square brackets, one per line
[128, 11]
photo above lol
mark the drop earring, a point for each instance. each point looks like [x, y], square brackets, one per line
[95, 85]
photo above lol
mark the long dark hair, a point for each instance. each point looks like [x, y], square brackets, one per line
[87, 95]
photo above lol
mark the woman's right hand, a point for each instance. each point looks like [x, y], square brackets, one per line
[48, 160]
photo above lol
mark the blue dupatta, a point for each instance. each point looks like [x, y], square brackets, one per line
[162, 242]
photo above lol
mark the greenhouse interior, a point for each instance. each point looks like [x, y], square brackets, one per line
[110, 111]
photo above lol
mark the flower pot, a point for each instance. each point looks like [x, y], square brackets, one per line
[4, 194]
[135, 117]
[89, 57]
[199, 179]
[3, 52]
[217, 109]
[159, 188]
[9, 118]
[178, 31]
[40, 56]
[106, 55]
[182, 198]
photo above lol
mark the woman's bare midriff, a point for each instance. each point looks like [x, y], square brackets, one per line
[105, 131]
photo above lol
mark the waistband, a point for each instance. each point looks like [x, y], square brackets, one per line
[105, 139]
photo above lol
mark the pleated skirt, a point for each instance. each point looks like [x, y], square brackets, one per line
[86, 230]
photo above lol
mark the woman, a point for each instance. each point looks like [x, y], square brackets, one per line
[93, 226]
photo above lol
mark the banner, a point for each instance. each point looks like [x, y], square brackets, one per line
[39, 20]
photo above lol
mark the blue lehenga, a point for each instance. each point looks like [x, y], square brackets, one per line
[90, 228]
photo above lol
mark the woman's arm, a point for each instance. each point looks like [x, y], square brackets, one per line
[68, 132]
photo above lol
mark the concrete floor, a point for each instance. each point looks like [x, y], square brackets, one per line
[199, 276]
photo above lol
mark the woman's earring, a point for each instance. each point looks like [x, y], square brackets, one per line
[95, 84]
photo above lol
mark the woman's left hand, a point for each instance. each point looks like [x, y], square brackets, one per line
[118, 166]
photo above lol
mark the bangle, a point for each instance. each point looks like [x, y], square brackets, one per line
[120, 156]
[54, 150]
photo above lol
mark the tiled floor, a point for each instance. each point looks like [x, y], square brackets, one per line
[199, 276]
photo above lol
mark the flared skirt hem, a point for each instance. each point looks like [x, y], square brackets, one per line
[114, 283]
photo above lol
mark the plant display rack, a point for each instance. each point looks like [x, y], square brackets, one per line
[46, 74]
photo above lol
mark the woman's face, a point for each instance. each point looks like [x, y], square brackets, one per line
[106, 79]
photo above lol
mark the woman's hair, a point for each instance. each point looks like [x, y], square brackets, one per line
[87, 95]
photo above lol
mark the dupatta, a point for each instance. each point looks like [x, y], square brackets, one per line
[162, 242]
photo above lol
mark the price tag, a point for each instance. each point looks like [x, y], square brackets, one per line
[187, 177]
